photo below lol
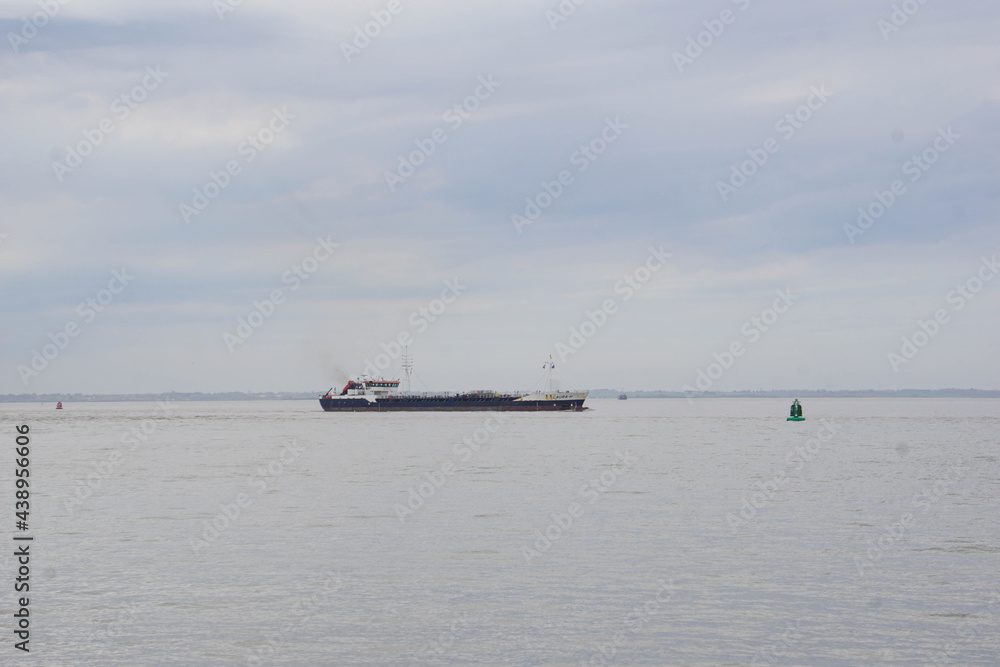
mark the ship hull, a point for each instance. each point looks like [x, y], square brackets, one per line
[455, 404]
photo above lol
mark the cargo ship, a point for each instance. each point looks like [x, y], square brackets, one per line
[371, 394]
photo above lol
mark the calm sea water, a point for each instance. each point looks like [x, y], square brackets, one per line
[641, 532]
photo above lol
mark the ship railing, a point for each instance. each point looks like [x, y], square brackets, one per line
[453, 394]
[477, 394]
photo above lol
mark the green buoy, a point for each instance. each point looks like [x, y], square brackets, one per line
[796, 412]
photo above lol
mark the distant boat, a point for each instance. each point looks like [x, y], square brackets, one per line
[796, 412]
[59, 405]
[623, 396]
[371, 394]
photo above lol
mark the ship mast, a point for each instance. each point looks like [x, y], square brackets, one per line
[549, 366]
[407, 365]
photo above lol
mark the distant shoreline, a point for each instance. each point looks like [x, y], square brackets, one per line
[809, 393]
[597, 393]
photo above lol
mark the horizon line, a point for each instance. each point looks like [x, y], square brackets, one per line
[949, 392]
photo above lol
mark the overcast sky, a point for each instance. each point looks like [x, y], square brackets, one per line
[116, 115]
